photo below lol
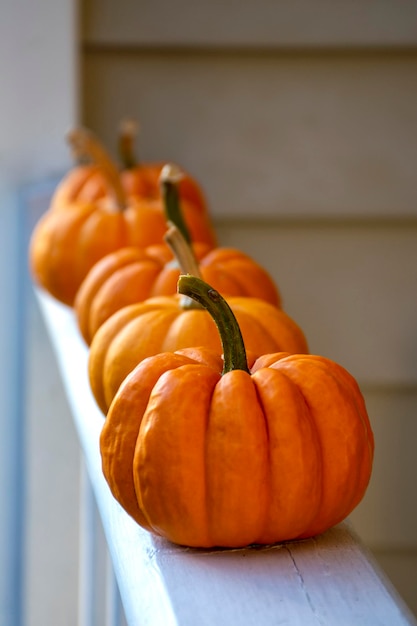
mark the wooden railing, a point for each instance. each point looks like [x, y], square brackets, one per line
[330, 580]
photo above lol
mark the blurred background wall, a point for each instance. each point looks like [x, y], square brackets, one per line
[300, 121]
[38, 100]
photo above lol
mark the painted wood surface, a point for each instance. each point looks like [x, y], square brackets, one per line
[327, 580]
[253, 23]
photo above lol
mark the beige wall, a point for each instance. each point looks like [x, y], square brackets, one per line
[301, 125]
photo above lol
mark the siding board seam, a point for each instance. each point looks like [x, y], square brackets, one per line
[318, 51]
[318, 222]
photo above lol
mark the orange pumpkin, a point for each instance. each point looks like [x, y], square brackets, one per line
[83, 183]
[66, 244]
[168, 323]
[130, 275]
[118, 279]
[86, 183]
[211, 454]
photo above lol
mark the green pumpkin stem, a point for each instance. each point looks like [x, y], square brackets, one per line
[128, 132]
[84, 143]
[234, 352]
[169, 178]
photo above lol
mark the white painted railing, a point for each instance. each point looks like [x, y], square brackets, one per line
[330, 580]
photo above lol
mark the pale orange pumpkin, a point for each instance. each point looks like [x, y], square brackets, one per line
[66, 244]
[86, 182]
[170, 323]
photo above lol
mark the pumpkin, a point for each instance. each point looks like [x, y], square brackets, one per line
[118, 279]
[86, 183]
[66, 244]
[216, 454]
[83, 183]
[131, 275]
[169, 323]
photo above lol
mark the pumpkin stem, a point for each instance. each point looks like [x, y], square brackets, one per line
[182, 251]
[169, 178]
[128, 132]
[185, 258]
[234, 353]
[84, 143]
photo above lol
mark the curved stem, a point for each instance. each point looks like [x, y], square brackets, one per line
[234, 352]
[182, 251]
[83, 142]
[185, 258]
[169, 178]
[128, 132]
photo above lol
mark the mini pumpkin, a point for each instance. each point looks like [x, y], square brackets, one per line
[131, 275]
[170, 323]
[83, 183]
[66, 244]
[213, 454]
[86, 183]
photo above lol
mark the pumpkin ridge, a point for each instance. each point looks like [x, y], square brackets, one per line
[118, 362]
[127, 285]
[249, 275]
[176, 447]
[268, 447]
[349, 385]
[236, 465]
[289, 333]
[99, 234]
[206, 470]
[286, 385]
[321, 456]
[347, 502]
[121, 429]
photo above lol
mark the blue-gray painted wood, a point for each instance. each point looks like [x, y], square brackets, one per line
[12, 325]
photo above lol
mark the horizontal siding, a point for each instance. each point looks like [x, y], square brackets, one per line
[351, 288]
[270, 135]
[261, 23]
